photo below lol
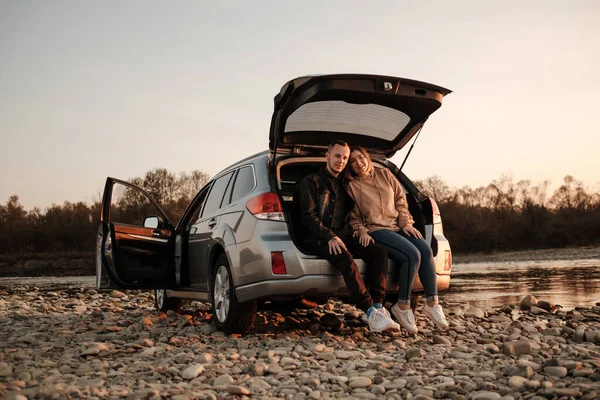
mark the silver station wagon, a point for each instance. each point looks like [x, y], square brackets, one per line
[239, 240]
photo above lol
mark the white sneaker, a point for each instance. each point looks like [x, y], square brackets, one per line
[436, 314]
[406, 318]
[379, 322]
[385, 311]
[381, 309]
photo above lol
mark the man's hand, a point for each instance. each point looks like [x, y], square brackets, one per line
[411, 231]
[365, 239]
[336, 246]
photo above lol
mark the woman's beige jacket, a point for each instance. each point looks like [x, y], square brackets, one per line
[380, 203]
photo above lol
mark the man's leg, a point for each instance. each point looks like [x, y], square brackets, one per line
[345, 264]
[376, 258]
[377, 320]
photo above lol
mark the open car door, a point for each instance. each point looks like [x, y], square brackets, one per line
[135, 247]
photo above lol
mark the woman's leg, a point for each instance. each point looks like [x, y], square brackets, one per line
[407, 258]
[427, 273]
[428, 278]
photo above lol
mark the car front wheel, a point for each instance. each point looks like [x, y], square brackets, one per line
[229, 315]
[164, 303]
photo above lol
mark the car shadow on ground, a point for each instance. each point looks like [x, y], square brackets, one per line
[305, 318]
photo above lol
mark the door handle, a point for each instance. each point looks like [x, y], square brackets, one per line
[212, 223]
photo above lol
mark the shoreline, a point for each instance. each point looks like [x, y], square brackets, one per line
[83, 264]
[565, 253]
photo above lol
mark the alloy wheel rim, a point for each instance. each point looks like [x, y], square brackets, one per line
[160, 297]
[221, 290]
[99, 247]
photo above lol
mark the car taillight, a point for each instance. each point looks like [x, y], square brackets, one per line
[447, 260]
[266, 206]
[278, 263]
[437, 217]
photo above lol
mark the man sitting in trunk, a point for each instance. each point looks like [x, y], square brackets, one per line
[324, 205]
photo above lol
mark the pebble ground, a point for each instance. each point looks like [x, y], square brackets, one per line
[81, 343]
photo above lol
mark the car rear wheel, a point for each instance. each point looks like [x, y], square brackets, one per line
[229, 315]
[164, 303]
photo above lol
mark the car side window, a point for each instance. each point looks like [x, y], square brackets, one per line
[215, 197]
[244, 183]
[130, 206]
[195, 217]
[227, 198]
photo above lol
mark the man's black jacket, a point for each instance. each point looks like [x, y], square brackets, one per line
[317, 206]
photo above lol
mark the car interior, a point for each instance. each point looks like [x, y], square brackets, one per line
[290, 173]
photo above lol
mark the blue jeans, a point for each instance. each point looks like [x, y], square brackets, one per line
[411, 255]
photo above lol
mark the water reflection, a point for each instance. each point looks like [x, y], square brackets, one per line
[568, 283]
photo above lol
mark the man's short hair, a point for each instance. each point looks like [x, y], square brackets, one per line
[337, 143]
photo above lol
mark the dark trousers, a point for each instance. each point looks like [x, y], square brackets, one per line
[374, 255]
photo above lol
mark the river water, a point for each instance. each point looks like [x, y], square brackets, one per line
[569, 283]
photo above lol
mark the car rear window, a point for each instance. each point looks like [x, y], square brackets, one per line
[338, 116]
[215, 197]
[244, 183]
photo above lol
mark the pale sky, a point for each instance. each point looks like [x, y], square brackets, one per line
[112, 88]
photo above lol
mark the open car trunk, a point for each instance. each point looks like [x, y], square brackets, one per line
[380, 113]
[291, 171]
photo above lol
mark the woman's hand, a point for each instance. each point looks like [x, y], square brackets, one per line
[412, 231]
[365, 239]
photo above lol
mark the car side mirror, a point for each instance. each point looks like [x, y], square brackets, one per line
[151, 222]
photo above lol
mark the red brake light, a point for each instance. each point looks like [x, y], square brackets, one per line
[266, 206]
[447, 260]
[434, 207]
[437, 217]
[278, 263]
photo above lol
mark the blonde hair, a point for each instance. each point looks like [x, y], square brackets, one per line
[350, 175]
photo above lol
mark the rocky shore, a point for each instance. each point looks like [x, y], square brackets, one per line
[81, 343]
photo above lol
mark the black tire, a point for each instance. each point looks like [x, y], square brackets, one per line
[229, 315]
[164, 303]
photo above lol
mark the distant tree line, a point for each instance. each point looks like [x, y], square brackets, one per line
[72, 227]
[503, 215]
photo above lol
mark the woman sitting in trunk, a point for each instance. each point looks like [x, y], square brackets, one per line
[381, 215]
